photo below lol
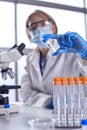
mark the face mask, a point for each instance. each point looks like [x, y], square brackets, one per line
[38, 33]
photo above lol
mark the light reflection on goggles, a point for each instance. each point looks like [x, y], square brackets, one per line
[33, 26]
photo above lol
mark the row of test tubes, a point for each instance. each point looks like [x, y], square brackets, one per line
[69, 101]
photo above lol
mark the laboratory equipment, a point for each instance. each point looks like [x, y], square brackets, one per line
[12, 55]
[70, 103]
[49, 45]
[4, 89]
[42, 124]
[7, 106]
[56, 98]
[15, 107]
[77, 102]
[83, 84]
[84, 124]
[7, 57]
[63, 102]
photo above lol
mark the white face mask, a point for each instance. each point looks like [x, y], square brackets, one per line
[36, 36]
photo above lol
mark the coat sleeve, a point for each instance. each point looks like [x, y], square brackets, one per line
[80, 65]
[83, 65]
[82, 69]
[30, 96]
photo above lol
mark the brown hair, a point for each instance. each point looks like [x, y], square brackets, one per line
[44, 15]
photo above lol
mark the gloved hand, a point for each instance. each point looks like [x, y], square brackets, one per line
[70, 42]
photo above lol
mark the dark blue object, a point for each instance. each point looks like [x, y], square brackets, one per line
[84, 122]
[6, 106]
[51, 105]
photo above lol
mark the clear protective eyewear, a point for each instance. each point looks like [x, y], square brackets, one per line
[34, 26]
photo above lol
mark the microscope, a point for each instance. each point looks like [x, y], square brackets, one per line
[7, 57]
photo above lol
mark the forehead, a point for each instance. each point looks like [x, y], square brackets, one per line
[36, 18]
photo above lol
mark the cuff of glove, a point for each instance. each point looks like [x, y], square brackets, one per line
[84, 55]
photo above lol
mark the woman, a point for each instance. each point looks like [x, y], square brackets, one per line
[41, 68]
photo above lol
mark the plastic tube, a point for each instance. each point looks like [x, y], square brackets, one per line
[50, 46]
[70, 97]
[77, 102]
[63, 105]
[82, 90]
[56, 96]
[7, 106]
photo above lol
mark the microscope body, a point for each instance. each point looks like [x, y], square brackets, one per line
[7, 57]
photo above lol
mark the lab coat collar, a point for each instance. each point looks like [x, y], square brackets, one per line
[35, 63]
[36, 55]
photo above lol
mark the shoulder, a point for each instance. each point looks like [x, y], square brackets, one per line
[72, 55]
[33, 54]
[69, 57]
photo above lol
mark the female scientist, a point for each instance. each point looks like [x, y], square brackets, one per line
[41, 68]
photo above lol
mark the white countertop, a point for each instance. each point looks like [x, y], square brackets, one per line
[19, 121]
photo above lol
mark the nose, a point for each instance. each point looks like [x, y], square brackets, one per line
[39, 25]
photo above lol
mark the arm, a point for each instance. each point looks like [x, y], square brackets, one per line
[70, 42]
[31, 96]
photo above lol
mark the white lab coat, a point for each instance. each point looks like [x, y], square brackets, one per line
[37, 90]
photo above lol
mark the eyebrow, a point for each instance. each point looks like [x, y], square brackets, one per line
[37, 22]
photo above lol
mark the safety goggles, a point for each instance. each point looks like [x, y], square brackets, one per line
[42, 23]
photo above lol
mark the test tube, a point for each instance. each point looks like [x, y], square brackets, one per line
[82, 93]
[56, 96]
[50, 46]
[77, 102]
[63, 104]
[70, 104]
[6, 106]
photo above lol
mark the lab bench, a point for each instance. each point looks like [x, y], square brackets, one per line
[19, 121]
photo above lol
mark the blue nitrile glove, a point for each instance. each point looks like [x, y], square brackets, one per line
[70, 42]
[51, 105]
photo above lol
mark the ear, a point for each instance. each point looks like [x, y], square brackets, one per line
[28, 35]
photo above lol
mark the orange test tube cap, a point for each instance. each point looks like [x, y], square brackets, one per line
[83, 80]
[69, 80]
[63, 81]
[56, 81]
[76, 80]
